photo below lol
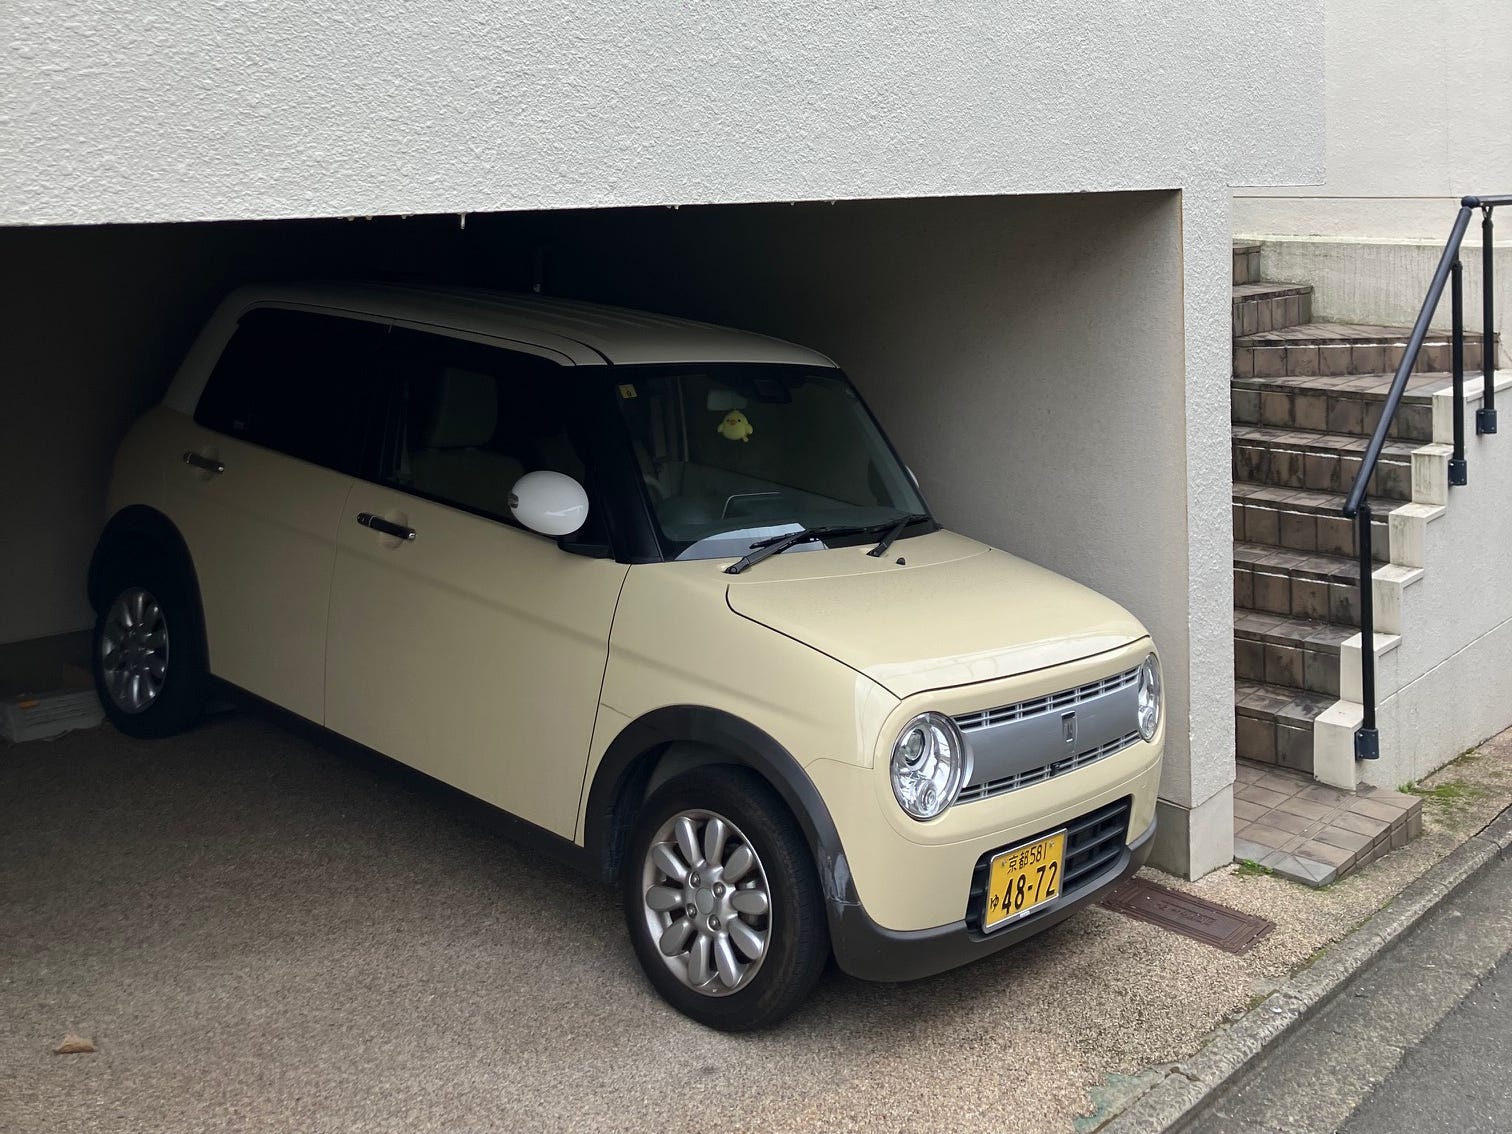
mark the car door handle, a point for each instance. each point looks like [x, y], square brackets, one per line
[200, 461]
[387, 527]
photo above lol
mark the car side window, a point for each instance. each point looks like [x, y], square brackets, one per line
[469, 419]
[297, 382]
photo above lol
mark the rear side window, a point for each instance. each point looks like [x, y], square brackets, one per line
[297, 382]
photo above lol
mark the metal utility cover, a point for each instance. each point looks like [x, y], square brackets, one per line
[1193, 917]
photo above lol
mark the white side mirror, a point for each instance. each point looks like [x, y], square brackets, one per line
[551, 503]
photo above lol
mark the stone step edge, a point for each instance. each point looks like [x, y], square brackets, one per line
[1325, 441]
[1300, 720]
[1388, 336]
[1273, 290]
[1254, 356]
[1315, 667]
[1276, 637]
[1330, 568]
[1380, 505]
[1340, 533]
[1298, 384]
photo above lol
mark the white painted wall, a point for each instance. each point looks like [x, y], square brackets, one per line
[1446, 685]
[140, 110]
[1449, 684]
[1417, 109]
[1418, 102]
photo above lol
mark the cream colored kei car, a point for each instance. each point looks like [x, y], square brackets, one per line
[660, 591]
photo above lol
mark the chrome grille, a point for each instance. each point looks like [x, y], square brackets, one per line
[1050, 703]
[1046, 771]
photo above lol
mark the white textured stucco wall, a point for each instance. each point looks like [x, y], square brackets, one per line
[1418, 103]
[138, 110]
[1447, 683]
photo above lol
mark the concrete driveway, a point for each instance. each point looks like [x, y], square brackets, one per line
[265, 933]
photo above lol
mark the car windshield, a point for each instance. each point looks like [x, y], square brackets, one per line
[738, 453]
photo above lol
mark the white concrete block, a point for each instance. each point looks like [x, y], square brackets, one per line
[1387, 586]
[1191, 842]
[1349, 667]
[1334, 760]
[1430, 474]
[1407, 526]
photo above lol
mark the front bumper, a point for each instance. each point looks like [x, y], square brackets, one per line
[868, 951]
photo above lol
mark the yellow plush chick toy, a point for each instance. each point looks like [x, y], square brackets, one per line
[735, 427]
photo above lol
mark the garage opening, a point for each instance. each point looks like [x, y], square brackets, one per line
[1025, 353]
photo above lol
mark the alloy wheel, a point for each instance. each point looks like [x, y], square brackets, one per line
[706, 902]
[134, 651]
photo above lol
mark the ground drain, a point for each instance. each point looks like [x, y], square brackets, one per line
[1197, 918]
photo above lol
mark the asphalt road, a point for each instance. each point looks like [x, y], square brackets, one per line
[1459, 1078]
[1421, 1041]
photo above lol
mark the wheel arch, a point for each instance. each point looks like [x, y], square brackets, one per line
[622, 778]
[139, 529]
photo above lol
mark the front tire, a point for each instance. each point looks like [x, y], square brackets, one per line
[148, 666]
[723, 901]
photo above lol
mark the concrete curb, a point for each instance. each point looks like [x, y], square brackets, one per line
[1184, 1087]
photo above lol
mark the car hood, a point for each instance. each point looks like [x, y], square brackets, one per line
[953, 612]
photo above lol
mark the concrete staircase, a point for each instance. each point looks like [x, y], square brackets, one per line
[1306, 397]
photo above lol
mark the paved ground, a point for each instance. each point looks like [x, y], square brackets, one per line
[1459, 1078]
[262, 933]
[1419, 1041]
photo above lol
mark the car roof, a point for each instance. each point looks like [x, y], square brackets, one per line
[616, 335]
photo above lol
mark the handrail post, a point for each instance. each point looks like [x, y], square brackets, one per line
[1458, 474]
[1367, 739]
[1485, 417]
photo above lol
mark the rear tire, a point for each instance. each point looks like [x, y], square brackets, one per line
[722, 900]
[149, 666]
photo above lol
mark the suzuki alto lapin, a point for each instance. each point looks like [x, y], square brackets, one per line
[660, 592]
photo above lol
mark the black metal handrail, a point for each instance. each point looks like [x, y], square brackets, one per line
[1357, 507]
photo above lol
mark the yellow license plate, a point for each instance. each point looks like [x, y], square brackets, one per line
[1023, 878]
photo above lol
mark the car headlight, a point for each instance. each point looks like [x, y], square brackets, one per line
[928, 765]
[1149, 697]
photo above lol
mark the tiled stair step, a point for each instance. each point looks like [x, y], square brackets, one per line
[1342, 348]
[1297, 653]
[1274, 724]
[1302, 520]
[1349, 403]
[1270, 306]
[1297, 584]
[1246, 263]
[1323, 462]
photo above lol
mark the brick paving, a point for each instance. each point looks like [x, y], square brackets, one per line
[1312, 833]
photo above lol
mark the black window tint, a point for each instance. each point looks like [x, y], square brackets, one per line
[297, 382]
[470, 419]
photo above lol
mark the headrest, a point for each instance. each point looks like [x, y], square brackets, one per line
[466, 411]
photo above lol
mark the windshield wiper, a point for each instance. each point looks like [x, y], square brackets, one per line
[765, 549]
[893, 533]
